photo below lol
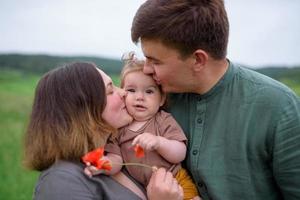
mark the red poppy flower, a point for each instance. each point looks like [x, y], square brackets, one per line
[94, 158]
[103, 164]
[139, 151]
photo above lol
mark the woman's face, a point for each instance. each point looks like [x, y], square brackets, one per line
[115, 112]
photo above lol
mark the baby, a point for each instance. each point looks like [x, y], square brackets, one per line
[153, 129]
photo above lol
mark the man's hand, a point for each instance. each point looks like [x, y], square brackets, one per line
[163, 186]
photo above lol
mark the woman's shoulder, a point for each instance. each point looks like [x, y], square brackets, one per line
[61, 180]
[64, 169]
[66, 180]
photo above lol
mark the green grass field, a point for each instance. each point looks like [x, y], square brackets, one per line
[16, 95]
[294, 84]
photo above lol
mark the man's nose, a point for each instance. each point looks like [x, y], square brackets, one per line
[148, 67]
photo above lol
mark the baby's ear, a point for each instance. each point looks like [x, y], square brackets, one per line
[163, 99]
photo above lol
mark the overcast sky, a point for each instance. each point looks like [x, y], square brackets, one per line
[262, 32]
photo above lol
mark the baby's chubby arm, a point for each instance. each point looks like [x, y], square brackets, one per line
[172, 150]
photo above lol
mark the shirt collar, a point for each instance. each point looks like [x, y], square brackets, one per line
[227, 77]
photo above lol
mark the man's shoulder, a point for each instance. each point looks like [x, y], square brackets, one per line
[255, 77]
[264, 85]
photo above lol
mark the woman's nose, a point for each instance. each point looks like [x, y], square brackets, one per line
[121, 92]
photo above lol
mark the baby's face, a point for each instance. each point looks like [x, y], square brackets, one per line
[143, 95]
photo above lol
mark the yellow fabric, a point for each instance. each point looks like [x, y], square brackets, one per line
[187, 184]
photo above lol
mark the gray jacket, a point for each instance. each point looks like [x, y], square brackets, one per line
[66, 181]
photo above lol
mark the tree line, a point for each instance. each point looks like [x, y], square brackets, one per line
[43, 63]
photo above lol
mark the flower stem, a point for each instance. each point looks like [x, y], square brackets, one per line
[135, 164]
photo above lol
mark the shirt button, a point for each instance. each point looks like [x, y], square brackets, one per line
[199, 99]
[200, 184]
[199, 121]
[195, 152]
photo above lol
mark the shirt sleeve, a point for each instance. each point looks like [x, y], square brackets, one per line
[286, 150]
[169, 128]
[113, 146]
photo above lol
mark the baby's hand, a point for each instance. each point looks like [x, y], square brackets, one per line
[147, 141]
[91, 170]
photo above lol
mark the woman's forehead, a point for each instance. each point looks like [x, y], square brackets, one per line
[106, 79]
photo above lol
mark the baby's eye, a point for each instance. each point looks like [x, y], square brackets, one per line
[149, 91]
[130, 90]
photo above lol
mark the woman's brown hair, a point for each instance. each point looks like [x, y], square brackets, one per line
[66, 121]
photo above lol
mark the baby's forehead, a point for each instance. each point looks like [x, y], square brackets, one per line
[139, 75]
[141, 85]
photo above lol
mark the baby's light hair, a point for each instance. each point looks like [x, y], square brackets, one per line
[131, 64]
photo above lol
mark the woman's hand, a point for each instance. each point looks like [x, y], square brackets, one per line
[163, 185]
[91, 170]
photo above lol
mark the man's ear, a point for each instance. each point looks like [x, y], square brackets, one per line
[201, 58]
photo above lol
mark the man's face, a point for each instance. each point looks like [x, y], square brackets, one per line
[167, 67]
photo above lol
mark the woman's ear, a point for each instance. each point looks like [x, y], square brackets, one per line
[201, 58]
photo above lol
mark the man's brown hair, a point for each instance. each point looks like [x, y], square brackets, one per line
[66, 121]
[186, 25]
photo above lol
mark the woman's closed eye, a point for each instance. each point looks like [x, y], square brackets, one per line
[110, 89]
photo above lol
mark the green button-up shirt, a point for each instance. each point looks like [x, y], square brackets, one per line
[243, 137]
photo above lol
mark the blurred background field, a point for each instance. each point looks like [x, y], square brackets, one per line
[49, 28]
[16, 94]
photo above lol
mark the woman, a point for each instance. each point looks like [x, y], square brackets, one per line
[76, 108]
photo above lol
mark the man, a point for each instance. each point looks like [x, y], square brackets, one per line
[243, 127]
